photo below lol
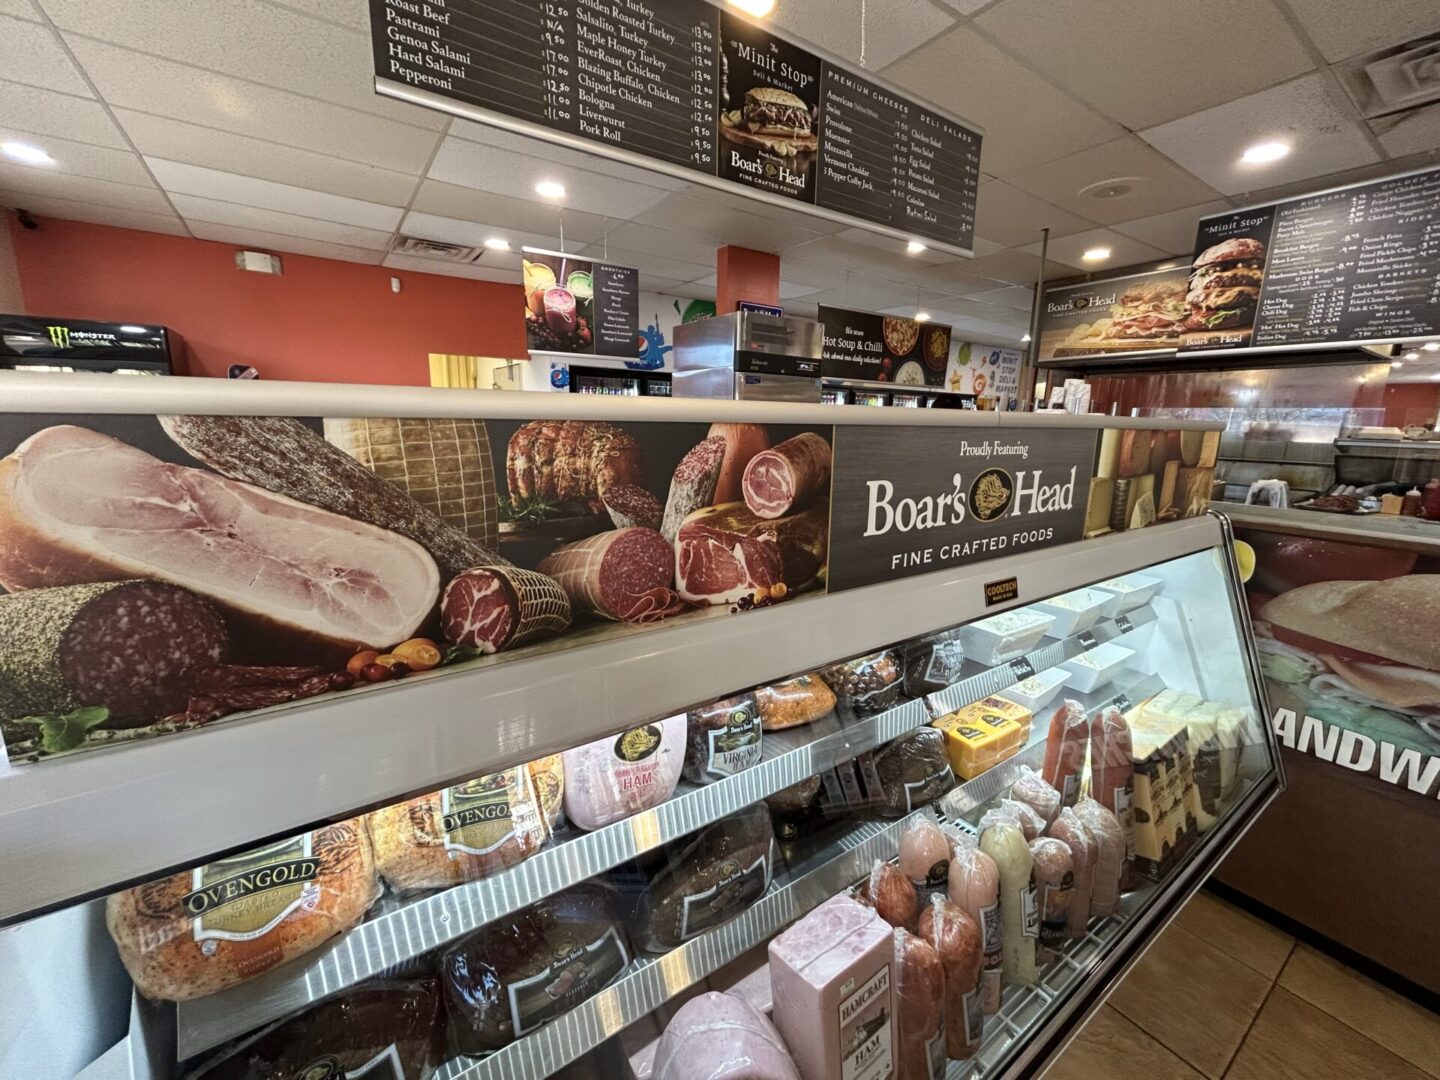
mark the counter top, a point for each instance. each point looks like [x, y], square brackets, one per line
[1385, 530]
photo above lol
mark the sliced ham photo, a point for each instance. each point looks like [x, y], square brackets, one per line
[626, 574]
[77, 507]
[725, 552]
[785, 477]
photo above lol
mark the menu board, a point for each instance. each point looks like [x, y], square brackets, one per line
[1134, 316]
[1356, 265]
[702, 91]
[865, 346]
[579, 306]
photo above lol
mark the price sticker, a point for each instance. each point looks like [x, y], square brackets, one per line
[1122, 702]
[1022, 669]
[1123, 624]
[1088, 640]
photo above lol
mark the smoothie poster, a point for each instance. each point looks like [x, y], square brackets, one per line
[581, 307]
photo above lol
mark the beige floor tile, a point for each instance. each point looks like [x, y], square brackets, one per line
[1409, 1031]
[1254, 942]
[1292, 1040]
[1109, 1047]
[1192, 998]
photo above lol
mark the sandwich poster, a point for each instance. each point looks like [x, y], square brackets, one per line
[580, 307]
[1135, 316]
[1351, 668]
[1226, 277]
[768, 111]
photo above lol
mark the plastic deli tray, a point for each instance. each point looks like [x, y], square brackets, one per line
[1039, 689]
[1099, 665]
[1002, 638]
[1131, 591]
[1075, 611]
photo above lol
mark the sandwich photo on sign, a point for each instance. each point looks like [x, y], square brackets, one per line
[1223, 298]
[1139, 313]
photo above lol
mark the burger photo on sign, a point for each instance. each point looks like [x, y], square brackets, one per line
[772, 120]
[1225, 292]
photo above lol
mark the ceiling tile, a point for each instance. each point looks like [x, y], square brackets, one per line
[178, 178]
[1018, 297]
[1066, 252]
[474, 271]
[1171, 65]
[351, 13]
[18, 179]
[69, 210]
[1012, 217]
[259, 42]
[1342, 28]
[1173, 233]
[1409, 133]
[21, 9]
[663, 287]
[472, 233]
[720, 224]
[668, 243]
[965, 7]
[828, 261]
[132, 81]
[891, 29]
[507, 172]
[30, 54]
[1027, 121]
[215, 212]
[46, 112]
[267, 241]
[467, 204]
[675, 269]
[893, 247]
[1155, 182]
[739, 202]
[1309, 113]
[175, 140]
[1002, 264]
[789, 290]
[82, 159]
[540, 150]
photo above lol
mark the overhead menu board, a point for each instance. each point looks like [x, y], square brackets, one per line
[701, 92]
[1357, 265]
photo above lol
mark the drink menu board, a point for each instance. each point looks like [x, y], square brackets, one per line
[1356, 265]
[699, 90]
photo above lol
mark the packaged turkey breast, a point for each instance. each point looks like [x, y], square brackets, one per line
[925, 857]
[382, 1029]
[919, 1009]
[958, 943]
[722, 739]
[522, 971]
[620, 775]
[206, 929]
[717, 1036]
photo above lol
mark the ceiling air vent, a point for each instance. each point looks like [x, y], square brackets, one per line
[438, 250]
[1393, 80]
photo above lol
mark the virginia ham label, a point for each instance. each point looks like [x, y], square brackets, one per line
[936, 498]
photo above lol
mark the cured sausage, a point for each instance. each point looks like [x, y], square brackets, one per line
[975, 886]
[1054, 885]
[1019, 917]
[956, 940]
[925, 857]
[1105, 898]
[624, 575]
[1065, 747]
[630, 505]
[1112, 776]
[919, 1008]
[1084, 854]
[498, 607]
[892, 896]
[786, 476]
[693, 485]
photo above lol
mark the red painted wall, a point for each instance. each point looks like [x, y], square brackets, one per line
[321, 321]
[1411, 403]
[742, 274]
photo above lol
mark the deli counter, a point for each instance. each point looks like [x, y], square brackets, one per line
[552, 769]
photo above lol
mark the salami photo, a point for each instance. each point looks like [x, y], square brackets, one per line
[163, 573]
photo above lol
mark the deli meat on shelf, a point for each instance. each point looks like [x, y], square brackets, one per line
[1105, 897]
[625, 574]
[571, 462]
[1084, 859]
[614, 777]
[493, 608]
[717, 1036]
[975, 886]
[782, 478]
[1019, 917]
[919, 1009]
[80, 507]
[957, 941]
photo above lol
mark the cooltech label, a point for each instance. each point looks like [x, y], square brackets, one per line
[941, 498]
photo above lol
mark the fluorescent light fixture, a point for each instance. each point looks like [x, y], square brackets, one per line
[550, 189]
[497, 243]
[914, 247]
[1263, 153]
[1431, 346]
[26, 154]
[922, 316]
[1096, 254]
[757, 9]
[130, 329]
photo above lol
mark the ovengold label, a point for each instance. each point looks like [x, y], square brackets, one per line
[476, 815]
[245, 897]
[941, 498]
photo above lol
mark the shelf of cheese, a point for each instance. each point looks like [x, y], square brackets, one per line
[402, 930]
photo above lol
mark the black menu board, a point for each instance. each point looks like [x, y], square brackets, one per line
[699, 90]
[864, 345]
[1357, 265]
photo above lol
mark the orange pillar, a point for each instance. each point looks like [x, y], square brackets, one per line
[742, 274]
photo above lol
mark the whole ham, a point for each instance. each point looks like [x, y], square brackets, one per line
[1105, 897]
[1084, 854]
[620, 775]
[719, 1037]
[500, 607]
[625, 574]
[919, 1008]
[571, 462]
[975, 886]
[956, 940]
[786, 476]
[725, 552]
[78, 507]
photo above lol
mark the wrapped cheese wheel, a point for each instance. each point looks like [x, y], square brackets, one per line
[1065, 747]
[892, 896]
[925, 857]
[1112, 777]
[956, 940]
[716, 1036]
[1019, 916]
[1054, 886]
[620, 775]
[975, 886]
[1105, 896]
[919, 1008]
[1084, 854]
[1031, 822]
[1030, 788]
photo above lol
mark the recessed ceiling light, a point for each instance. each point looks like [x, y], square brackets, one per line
[756, 8]
[1096, 254]
[550, 189]
[922, 316]
[1431, 346]
[133, 330]
[26, 154]
[914, 247]
[1263, 153]
[1412, 356]
[1025, 340]
[497, 243]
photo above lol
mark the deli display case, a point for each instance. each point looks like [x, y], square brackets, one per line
[580, 815]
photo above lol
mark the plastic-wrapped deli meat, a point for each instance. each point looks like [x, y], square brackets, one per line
[722, 739]
[801, 700]
[718, 1036]
[394, 1028]
[1105, 895]
[614, 777]
[925, 857]
[1112, 777]
[708, 877]
[1032, 823]
[522, 971]
[892, 896]
[919, 1008]
[1054, 885]
[1019, 914]
[956, 940]
[913, 771]
[1065, 747]
[1084, 855]
[866, 685]
[796, 798]
[975, 886]
[1030, 788]
[932, 663]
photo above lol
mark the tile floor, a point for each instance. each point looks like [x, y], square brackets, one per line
[1222, 995]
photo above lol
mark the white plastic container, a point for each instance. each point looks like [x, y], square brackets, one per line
[1001, 638]
[1096, 667]
[1133, 590]
[1074, 611]
[1039, 690]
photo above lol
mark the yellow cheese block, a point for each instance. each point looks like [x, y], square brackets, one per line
[982, 735]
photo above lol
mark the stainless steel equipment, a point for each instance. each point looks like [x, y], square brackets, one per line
[749, 356]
